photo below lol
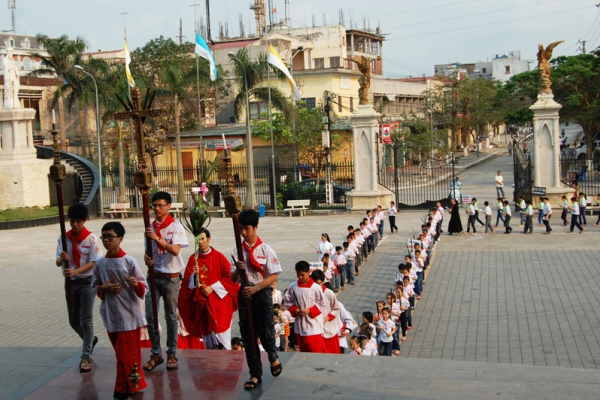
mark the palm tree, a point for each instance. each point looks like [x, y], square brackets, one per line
[63, 54]
[177, 83]
[256, 71]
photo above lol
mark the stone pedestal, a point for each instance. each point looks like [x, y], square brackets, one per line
[546, 148]
[23, 178]
[367, 192]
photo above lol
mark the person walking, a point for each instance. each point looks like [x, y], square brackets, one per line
[455, 225]
[499, 185]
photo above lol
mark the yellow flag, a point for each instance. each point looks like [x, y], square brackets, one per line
[275, 60]
[127, 61]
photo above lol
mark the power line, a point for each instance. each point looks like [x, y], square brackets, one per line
[426, 8]
[592, 27]
[490, 23]
[470, 15]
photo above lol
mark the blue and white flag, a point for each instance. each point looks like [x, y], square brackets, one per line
[203, 51]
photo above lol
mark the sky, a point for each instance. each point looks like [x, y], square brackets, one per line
[419, 34]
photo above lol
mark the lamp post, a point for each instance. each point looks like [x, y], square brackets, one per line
[80, 68]
[250, 202]
[300, 48]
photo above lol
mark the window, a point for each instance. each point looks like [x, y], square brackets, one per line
[319, 63]
[334, 62]
[27, 64]
[25, 44]
[258, 110]
[12, 42]
[310, 102]
[507, 69]
[483, 70]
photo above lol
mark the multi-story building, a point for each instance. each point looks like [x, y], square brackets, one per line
[501, 68]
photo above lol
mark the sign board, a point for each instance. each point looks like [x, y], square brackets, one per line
[385, 133]
[211, 144]
[466, 198]
[539, 190]
[315, 265]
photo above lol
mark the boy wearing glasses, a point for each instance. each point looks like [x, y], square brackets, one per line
[120, 284]
[83, 250]
[168, 237]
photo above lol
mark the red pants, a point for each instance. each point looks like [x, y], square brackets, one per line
[189, 342]
[127, 350]
[311, 344]
[332, 345]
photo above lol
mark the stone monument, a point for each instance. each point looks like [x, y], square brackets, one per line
[23, 178]
[546, 132]
[367, 192]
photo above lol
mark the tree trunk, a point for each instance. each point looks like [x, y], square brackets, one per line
[61, 111]
[83, 137]
[180, 186]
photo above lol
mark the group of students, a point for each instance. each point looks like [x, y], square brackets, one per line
[576, 206]
[199, 298]
[379, 333]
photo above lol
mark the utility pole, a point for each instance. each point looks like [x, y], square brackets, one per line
[327, 144]
[582, 48]
[208, 38]
[181, 35]
[12, 5]
[132, 152]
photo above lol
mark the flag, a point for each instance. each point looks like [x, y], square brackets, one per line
[127, 71]
[203, 51]
[275, 10]
[278, 63]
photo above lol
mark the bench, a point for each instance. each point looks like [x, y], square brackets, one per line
[222, 212]
[116, 208]
[176, 209]
[591, 208]
[297, 205]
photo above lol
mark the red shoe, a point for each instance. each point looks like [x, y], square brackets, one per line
[409, 328]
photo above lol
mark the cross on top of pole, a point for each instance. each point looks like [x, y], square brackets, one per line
[138, 115]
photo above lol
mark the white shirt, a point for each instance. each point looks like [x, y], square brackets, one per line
[575, 209]
[331, 314]
[547, 209]
[166, 262]
[381, 215]
[276, 296]
[340, 260]
[385, 329]
[90, 251]
[488, 211]
[499, 181]
[266, 257]
[392, 211]
[300, 297]
[366, 232]
[348, 254]
[507, 211]
[123, 311]
[370, 349]
[325, 247]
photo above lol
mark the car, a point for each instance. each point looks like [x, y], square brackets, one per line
[339, 192]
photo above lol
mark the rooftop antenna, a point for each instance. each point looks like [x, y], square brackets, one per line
[196, 25]
[288, 20]
[351, 23]
[242, 34]
[12, 6]
[208, 38]
[314, 20]
[342, 17]
[124, 23]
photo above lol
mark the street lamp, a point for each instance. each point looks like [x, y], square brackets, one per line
[300, 48]
[249, 152]
[80, 68]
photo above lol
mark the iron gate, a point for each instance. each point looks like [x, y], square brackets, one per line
[522, 169]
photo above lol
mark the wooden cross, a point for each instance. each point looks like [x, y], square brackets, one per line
[138, 115]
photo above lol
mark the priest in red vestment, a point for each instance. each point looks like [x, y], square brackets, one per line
[208, 296]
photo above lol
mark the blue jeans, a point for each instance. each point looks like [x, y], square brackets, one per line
[582, 216]
[374, 240]
[342, 275]
[499, 217]
[350, 270]
[540, 218]
[419, 283]
[168, 289]
[81, 318]
[385, 349]
[381, 228]
[499, 190]
[335, 282]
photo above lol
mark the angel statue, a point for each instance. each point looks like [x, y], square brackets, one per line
[544, 67]
[364, 66]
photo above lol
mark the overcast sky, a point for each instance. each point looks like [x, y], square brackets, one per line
[419, 33]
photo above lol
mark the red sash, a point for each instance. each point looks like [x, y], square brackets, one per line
[75, 241]
[158, 227]
[255, 264]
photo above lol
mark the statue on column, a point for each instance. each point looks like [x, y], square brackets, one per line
[364, 66]
[544, 56]
[12, 83]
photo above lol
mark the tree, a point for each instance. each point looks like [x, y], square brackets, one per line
[479, 108]
[63, 54]
[517, 95]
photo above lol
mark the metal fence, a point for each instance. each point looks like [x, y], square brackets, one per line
[581, 174]
[294, 182]
[522, 168]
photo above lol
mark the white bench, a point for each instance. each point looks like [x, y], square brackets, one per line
[176, 209]
[297, 205]
[116, 208]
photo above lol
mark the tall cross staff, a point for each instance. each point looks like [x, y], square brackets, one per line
[233, 205]
[58, 173]
[143, 176]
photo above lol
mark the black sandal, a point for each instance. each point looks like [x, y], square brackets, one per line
[250, 384]
[276, 370]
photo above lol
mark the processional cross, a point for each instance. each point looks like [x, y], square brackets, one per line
[143, 176]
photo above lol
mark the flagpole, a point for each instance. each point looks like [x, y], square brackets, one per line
[200, 116]
[132, 152]
[272, 142]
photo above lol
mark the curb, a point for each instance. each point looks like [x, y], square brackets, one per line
[29, 223]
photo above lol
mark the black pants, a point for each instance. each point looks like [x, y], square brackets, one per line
[507, 224]
[477, 218]
[575, 223]
[528, 224]
[261, 304]
[582, 215]
[471, 223]
[546, 222]
[404, 323]
[393, 223]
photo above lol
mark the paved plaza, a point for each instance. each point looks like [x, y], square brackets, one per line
[509, 316]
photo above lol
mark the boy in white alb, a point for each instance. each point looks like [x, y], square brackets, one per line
[305, 300]
[168, 238]
[332, 322]
[262, 269]
[348, 325]
[83, 250]
[119, 283]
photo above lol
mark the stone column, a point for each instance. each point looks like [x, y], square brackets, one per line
[367, 192]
